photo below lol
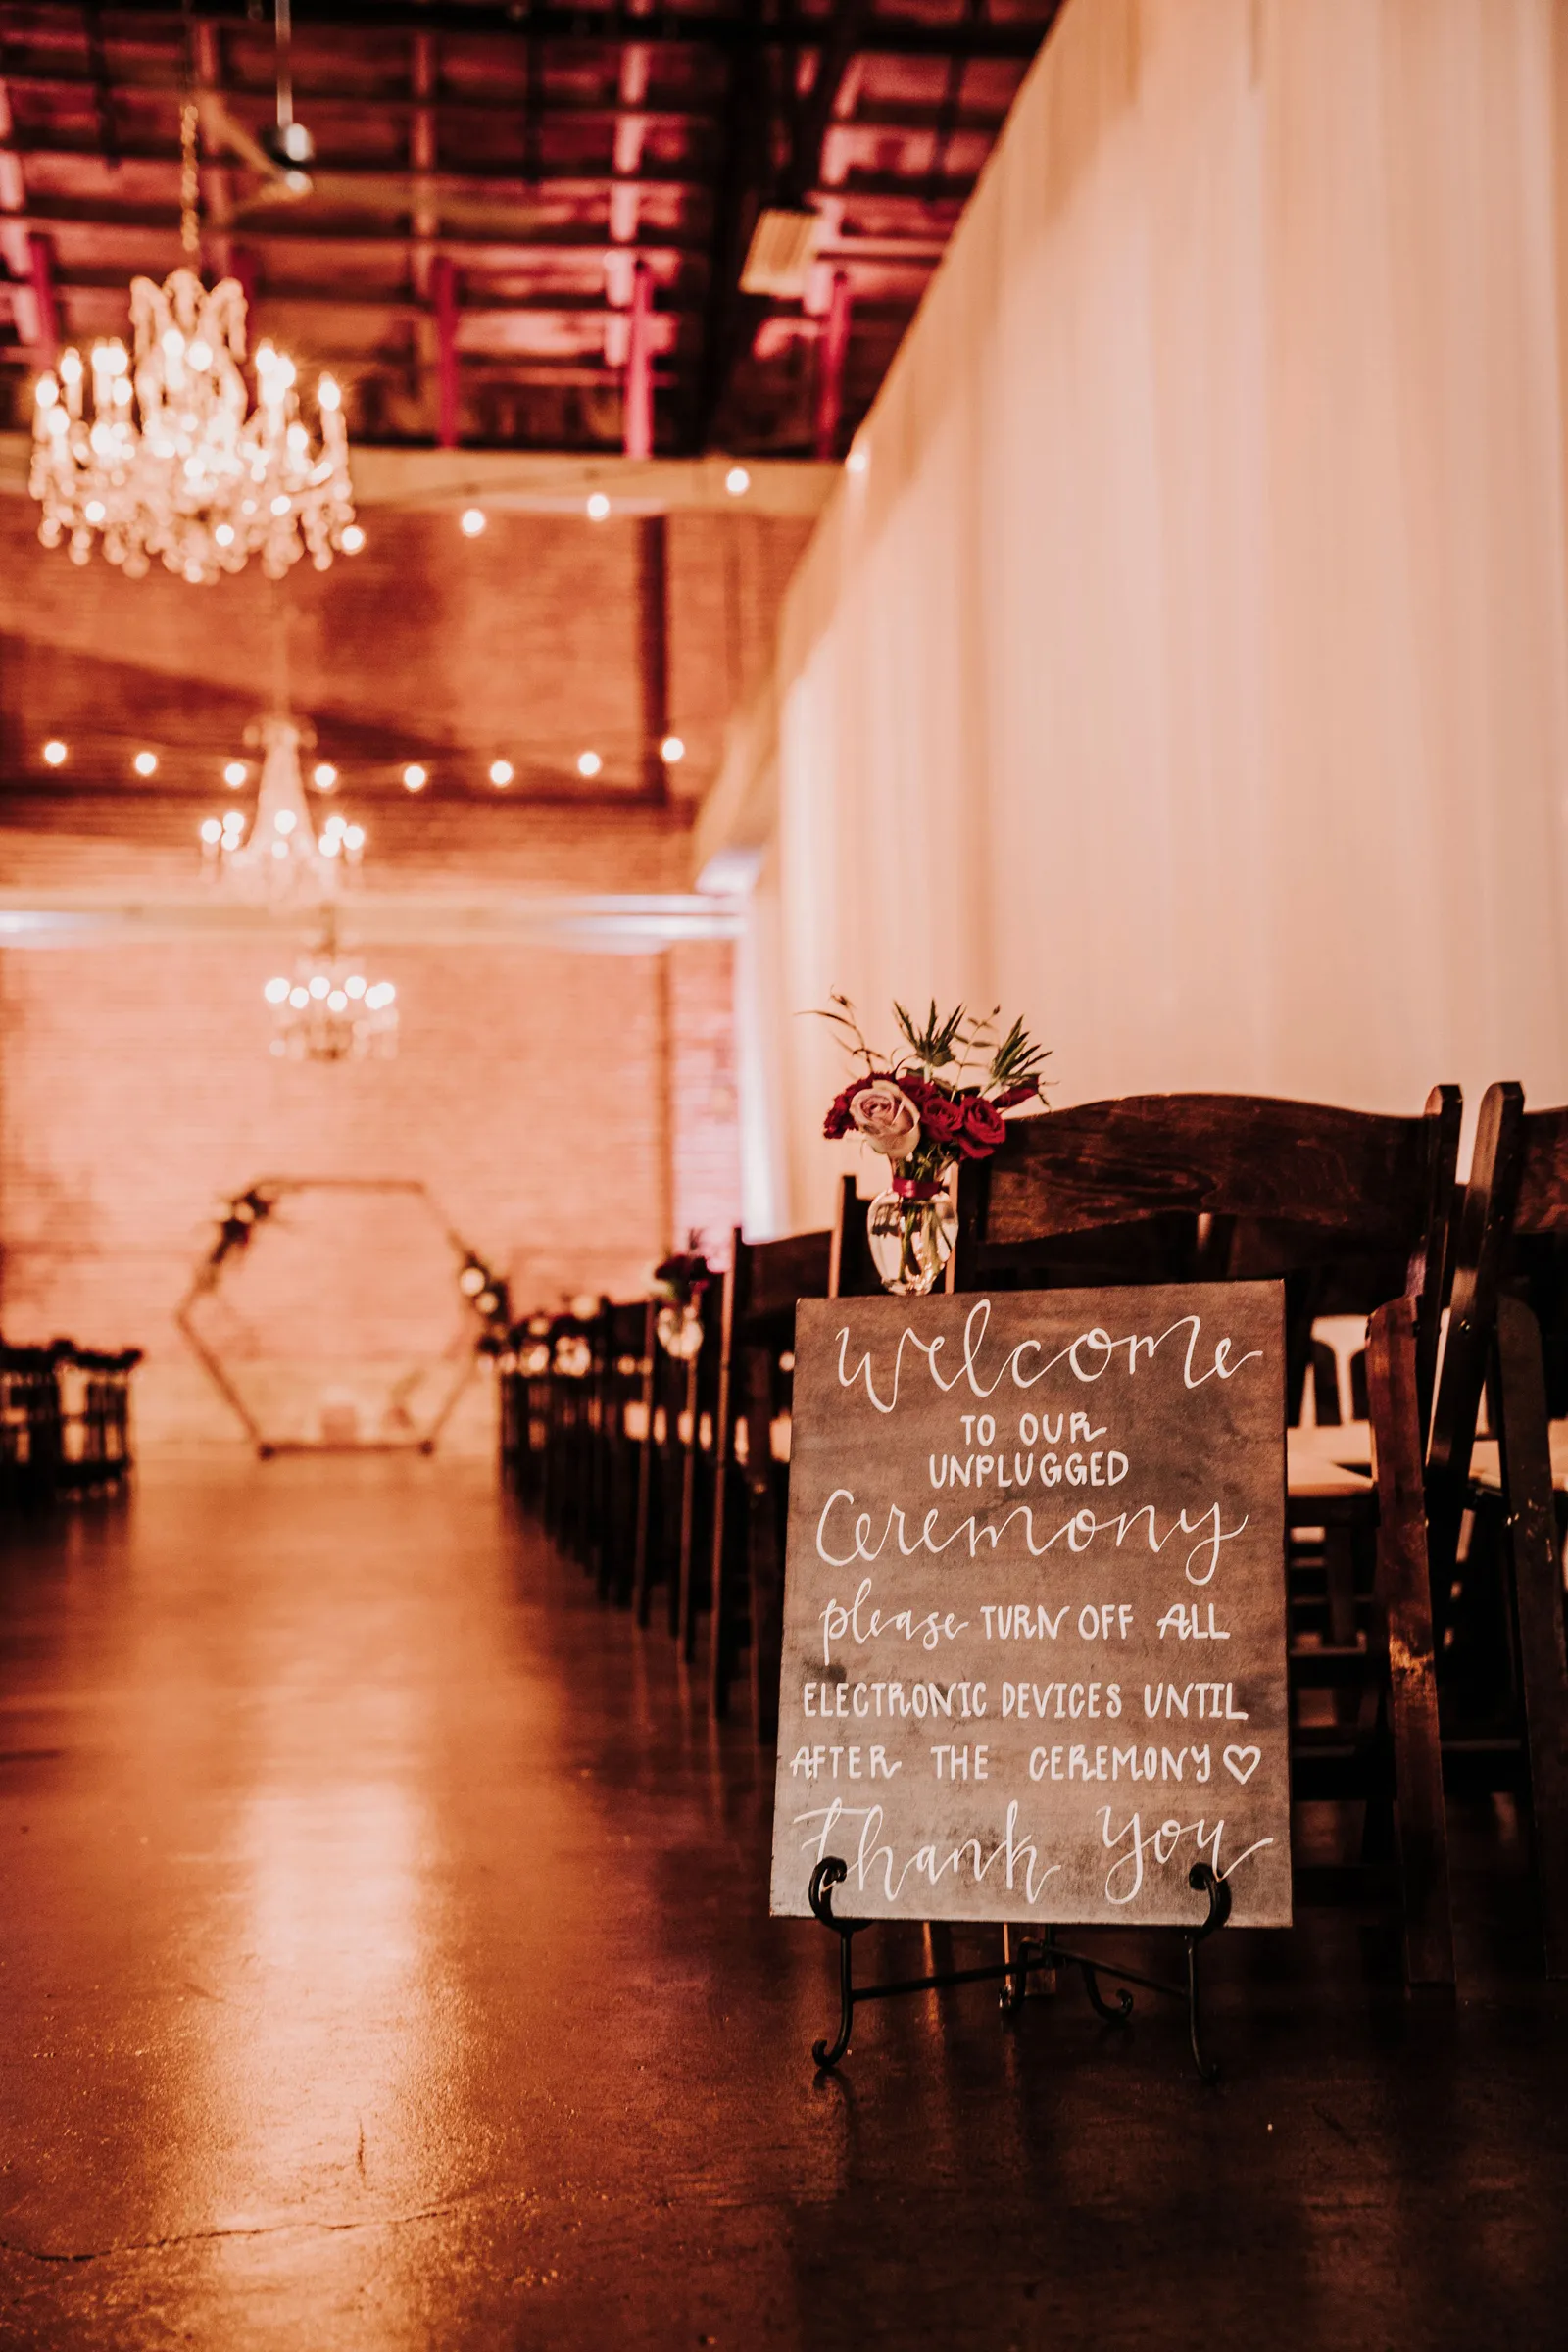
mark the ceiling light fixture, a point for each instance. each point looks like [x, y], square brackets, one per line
[416, 777]
[327, 1011]
[151, 453]
[589, 764]
[145, 763]
[501, 772]
[279, 858]
[53, 753]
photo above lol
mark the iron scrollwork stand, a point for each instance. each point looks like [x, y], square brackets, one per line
[1014, 1971]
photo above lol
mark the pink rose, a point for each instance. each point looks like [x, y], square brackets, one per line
[886, 1118]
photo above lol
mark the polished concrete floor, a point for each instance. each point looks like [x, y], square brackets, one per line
[384, 1963]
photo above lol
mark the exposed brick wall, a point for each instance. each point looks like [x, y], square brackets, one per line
[705, 1130]
[573, 1113]
[525, 643]
[136, 1090]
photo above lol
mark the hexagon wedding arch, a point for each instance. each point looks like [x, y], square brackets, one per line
[329, 1315]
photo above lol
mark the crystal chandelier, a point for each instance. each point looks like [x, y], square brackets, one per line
[152, 453]
[330, 1011]
[279, 858]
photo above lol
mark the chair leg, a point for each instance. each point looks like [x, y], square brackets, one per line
[1406, 1597]
[766, 1569]
[1526, 1449]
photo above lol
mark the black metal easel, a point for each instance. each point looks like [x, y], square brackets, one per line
[1012, 1973]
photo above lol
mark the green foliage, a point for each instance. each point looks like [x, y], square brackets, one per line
[958, 1041]
[933, 1043]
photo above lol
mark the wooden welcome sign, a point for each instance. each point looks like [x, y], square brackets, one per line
[1034, 1637]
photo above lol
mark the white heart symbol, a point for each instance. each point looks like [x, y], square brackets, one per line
[1243, 1762]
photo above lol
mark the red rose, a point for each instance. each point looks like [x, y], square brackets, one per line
[984, 1128]
[838, 1121]
[944, 1117]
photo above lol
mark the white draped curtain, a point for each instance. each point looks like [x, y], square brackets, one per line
[1187, 667]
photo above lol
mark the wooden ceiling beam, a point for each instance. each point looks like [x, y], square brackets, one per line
[45, 213]
[583, 110]
[587, 28]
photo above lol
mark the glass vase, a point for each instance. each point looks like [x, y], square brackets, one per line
[911, 1229]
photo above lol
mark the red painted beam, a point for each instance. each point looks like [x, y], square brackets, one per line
[443, 294]
[45, 301]
[832, 352]
[242, 266]
[639, 393]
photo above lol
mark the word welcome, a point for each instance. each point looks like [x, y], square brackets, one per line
[1088, 1358]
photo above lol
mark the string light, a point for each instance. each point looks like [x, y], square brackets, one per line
[672, 751]
[416, 777]
[323, 775]
[145, 763]
[352, 540]
[501, 772]
[473, 523]
[235, 773]
[53, 753]
[737, 481]
[597, 506]
[859, 458]
[589, 764]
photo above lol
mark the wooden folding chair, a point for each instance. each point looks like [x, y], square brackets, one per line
[675, 1515]
[751, 1495]
[1497, 1504]
[1352, 1211]
[756, 1366]
[622, 1429]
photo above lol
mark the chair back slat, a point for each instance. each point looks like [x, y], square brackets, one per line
[1352, 1207]
[1304, 1164]
[782, 1271]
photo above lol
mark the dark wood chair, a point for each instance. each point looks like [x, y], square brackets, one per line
[1353, 1211]
[675, 1515]
[1497, 1505]
[567, 1487]
[757, 1365]
[750, 1500]
[525, 1385]
[620, 1431]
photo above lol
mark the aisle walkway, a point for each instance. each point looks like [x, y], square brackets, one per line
[384, 1963]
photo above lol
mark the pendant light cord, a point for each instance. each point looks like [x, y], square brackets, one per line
[190, 180]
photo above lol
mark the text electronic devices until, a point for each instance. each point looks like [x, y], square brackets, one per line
[1034, 1615]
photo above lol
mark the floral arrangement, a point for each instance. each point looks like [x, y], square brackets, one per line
[682, 1279]
[237, 1220]
[939, 1099]
[490, 1298]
